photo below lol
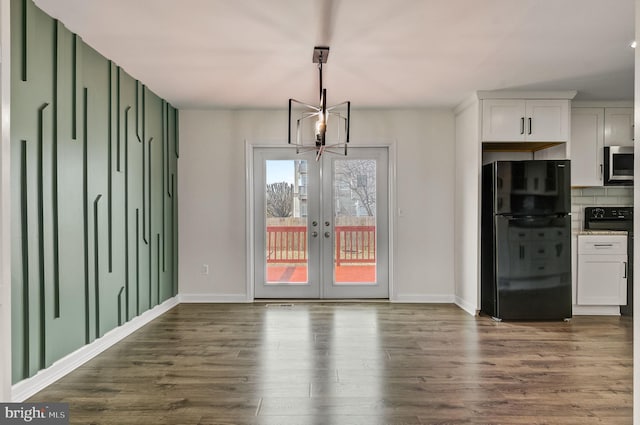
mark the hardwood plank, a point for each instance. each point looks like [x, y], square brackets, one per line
[355, 363]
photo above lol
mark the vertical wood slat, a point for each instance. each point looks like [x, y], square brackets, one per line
[118, 135]
[54, 176]
[158, 268]
[85, 211]
[174, 238]
[137, 261]
[176, 133]
[74, 87]
[24, 212]
[149, 182]
[126, 210]
[41, 239]
[166, 148]
[96, 265]
[120, 306]
[110, 168]
[138, 111]
[164, 172]
[144, 193]
[149, 189]
[23, 37]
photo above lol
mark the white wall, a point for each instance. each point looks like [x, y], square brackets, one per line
[5, 208]
[467, 195]
[212, 205]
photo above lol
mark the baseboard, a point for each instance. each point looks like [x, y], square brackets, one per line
[30, 386]
[596, 310]
[466, 306]
[213, 298]
[421, 298]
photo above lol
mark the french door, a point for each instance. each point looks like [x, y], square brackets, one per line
[321, 227]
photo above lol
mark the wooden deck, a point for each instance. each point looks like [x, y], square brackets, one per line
[355, 363]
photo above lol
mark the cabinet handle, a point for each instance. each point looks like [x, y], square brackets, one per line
[625, 270]
[600, 245]
[530, 125]
[522, 125]
[601, 172]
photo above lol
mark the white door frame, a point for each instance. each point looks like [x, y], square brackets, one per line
[250, 211]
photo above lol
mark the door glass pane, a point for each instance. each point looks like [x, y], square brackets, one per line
[286, 214]
[355, 221]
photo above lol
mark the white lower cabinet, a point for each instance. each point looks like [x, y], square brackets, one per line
[602, 270]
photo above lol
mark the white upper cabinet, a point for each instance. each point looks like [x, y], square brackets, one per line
[515, 120]
[587, 142]
[547, 120]
[618, 127]
[592, 128]
[503, 120]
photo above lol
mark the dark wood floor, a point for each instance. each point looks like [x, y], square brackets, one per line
[342, 363]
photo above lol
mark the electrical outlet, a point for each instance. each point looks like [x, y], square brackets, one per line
[205, 269]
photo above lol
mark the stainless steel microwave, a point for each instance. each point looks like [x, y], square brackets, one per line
[618, 165]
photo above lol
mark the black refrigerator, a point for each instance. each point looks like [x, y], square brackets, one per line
[526, 240]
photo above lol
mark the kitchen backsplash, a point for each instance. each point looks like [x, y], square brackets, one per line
[595, 197]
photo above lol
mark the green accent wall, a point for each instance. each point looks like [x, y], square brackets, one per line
[94, 193]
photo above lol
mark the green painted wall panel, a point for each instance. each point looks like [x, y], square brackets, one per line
[131, 194]
[67, 332]
[83, 186]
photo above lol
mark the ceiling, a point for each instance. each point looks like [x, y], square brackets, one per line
[401, 53]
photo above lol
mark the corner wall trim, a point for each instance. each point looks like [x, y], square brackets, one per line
[471, 309]
[28, 387]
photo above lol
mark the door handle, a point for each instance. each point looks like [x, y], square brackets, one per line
[327, 234]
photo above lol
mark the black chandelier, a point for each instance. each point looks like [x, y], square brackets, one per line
[333, 120]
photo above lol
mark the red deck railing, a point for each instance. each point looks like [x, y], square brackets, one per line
[354, 244]
[286, 244]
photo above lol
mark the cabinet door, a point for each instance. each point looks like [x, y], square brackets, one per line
[547, 120]
[618, 127]
[587, 141]
[503, 120]
[602, 280]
